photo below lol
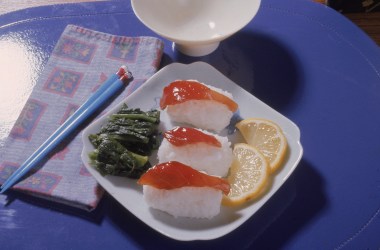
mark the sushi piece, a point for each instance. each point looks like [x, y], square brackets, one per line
[194, 103]
[199, 149]
[182, 191]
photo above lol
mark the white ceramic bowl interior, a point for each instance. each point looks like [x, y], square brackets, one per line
[195, 26]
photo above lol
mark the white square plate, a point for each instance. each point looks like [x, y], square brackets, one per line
[129, 193]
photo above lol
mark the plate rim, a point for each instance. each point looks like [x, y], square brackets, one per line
[181, 237]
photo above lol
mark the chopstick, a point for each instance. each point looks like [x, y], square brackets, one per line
[110, 87]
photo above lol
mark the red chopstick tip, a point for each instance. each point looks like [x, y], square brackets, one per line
[122, 70]
[125, 67]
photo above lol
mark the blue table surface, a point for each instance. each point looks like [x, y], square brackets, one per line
[301, 58]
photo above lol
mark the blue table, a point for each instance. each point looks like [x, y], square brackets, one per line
[301, 58]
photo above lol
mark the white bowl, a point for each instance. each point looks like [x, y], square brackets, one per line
[195, 26]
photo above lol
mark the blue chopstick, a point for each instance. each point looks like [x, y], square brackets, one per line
[106, 91]
[122, 70]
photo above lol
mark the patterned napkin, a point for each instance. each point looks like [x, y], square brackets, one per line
[80, 62]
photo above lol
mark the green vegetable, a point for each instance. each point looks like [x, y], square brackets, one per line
[123, 144]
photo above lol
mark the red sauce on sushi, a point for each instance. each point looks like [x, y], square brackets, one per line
[182, 90]
[173, 174]
[181, 136]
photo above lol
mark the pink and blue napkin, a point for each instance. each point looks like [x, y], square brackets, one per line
[80, 62]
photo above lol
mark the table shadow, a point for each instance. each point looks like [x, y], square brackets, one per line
[261, 64]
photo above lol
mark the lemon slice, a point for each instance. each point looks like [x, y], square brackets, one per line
[267, 137]
[248, 175]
